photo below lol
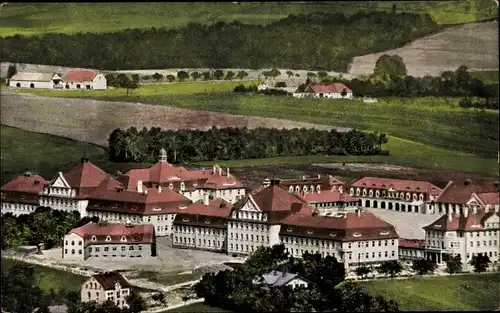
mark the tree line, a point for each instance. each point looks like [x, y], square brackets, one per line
[181, 76]
[230, 143]
[327, 291]
[21, 294]
[44, 225]
[320, 41]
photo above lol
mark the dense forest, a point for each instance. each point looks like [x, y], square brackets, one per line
[132, 145]
[319, 41]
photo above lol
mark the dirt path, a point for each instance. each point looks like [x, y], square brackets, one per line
[94, 120]
[474, 45]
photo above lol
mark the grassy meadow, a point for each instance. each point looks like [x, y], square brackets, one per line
[48, 278]
[69, 18]
[447, 293]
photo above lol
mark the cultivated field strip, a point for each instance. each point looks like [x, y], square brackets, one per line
[473, 45]
[94, 120]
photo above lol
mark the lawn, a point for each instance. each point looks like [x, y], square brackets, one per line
[185, 88]
[488, 77]
[447, 293]
[68, 18]
[21, 151]
[48, 278]
[197, 307]
[437, 122]
[168, 279]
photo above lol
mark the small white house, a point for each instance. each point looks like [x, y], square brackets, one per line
[278, 279]
[84, 79]
[35, 80]
[331, 91]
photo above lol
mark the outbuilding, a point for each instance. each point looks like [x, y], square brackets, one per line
[35, 80]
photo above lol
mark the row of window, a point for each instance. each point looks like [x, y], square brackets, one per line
[246, 237]
[257, 216]
[440, 234]
[383, 193]
[19, 207]
[60, 202]
[247, 226]
[206, 243]
[410, 252]
[58, 191]
[201, 230]
[316, 242]
[114, 248]
[478, 243]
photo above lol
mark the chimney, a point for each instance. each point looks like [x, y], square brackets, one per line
[206, 199]
[139, 186]
[228, 172]
[220, 171]
[359, 212]
[319, 176]
[214, 169]
[159, 189]
[303, 178]
[466, 212]
[145, 191]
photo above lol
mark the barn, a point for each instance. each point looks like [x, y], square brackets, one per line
[84, 79]
[35, 80]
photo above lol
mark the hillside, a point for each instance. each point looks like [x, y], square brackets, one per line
[68, 18]
[472, 45]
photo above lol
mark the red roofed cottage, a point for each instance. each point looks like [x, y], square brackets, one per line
[84, 79]
[330, 91]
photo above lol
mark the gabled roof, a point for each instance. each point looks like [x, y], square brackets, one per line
[473, 222]
[137, 234]
[79, 76]
[85, 175]
[460, 193]
[489, 198]
[33, 76]
[327, 196]
[330, 88]
[109, 279]
[278, 279]
[326, 182]
[397, 184]
[349, 226]
[274, 198]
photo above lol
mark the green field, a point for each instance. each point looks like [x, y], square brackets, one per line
[48, 278]
[488, 77]
[46, 155]
[168, 279]
[33, 19]
[448, 293]
[197, 307]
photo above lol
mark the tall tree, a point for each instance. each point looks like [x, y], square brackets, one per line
[195, 76]
[218, 74]
[390, 65]
[289, 74]
[11, 71]
[230, 75]
[157, 76]
[480, 262]
[423, 266]
[170, 78]
[241, 74]
[182, 75]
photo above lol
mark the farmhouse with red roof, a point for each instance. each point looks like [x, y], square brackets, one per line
[109, 286]
[394, 194]
[108, 241]
[72, 79]
[330, 91]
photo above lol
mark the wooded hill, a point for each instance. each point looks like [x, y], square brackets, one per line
[318, 41]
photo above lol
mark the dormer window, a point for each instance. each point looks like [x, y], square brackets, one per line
[264, 217]
[185, 220]
[183, 186]
[123, 239]
[115, 206]
[171, 186]
[377, 193]
[371, 193]
[333, 235]
[356, 234]
[207, 221]
[318, 188]
[108, 238]
[384, 233]
[309, 232]
[364, 192]
[182, 207]
[156, 209]
[289, 230]
[290, 189]
[357, 192]
[93, 238]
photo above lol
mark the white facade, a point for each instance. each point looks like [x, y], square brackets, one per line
[35, 80]
[326, 95]
[60, 196]
[97, 83]
[18, 208]
[93, 291]
[228, 194]
[202, 238]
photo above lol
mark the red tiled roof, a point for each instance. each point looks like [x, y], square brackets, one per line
[473, 222]
[412, 243]
[327, 196]
[24, 189]
[85, 176]
[134, 233]
[397, 184]
[25, 183]
[113, 196]
[274, 198]
[489, 198]
[331, 88]
[460, 193]
[326, 182]
[79, 76]
[214, 214]
[216, 181]
[350, 227]
[109, 279]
